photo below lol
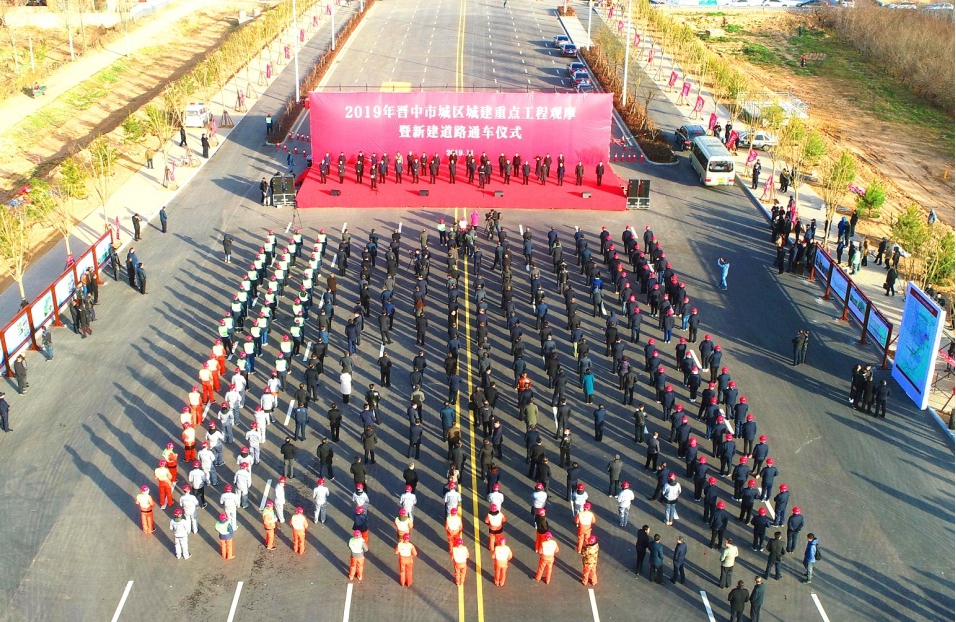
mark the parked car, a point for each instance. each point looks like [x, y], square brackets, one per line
[197, 115]
[816, 4]
[580, 77]
[685, 134]
[908, 6]
[575, 67]
[942, 6]
[560, 41]
[570, 50]
[762, 140]
[584, 87]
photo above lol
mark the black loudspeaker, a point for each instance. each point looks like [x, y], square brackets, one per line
[644, 189]
[336, 193]
[423, 193]
[499, 193]
[585, 195]
[632, 186]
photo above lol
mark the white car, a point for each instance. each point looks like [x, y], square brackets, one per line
[560, 41]
[197, 115]
[762, 140]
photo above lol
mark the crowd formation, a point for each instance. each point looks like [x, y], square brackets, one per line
[630, 288]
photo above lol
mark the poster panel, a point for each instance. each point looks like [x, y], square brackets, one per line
[64, 288]
[575, 125]
[920, 332]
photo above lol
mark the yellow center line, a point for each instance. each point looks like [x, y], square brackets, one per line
[460, 49]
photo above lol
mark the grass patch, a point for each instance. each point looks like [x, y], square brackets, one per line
[759, 54]
[732, 28]
[715, 14]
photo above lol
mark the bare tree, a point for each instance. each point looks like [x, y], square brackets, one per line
[837, 175]
[14, 242]
[100, 164]
[66, 10]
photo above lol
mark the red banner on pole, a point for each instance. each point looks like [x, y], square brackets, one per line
[673, 79]
[650, 55]
[751, 155]
[699, 104]
[685, 90]
[575, 125]
[637, 38]
[732, 140]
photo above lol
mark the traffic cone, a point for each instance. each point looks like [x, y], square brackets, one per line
[615, 157]
[296, 151]
[285, 148]
[290, 136]
[642, 157]
[278, 146]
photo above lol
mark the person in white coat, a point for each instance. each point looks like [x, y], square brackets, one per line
[345, 384]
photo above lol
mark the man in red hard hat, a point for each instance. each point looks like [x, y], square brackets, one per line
[407, 553]
[589, 557]
[546, 551]
[299, 524]
[459, 555]
[165, 481]
[180, 528]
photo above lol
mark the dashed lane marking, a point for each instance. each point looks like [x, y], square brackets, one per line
[122, 602]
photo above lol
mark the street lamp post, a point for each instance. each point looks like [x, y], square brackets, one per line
[295, 34]
[590, 11]
[627, 53]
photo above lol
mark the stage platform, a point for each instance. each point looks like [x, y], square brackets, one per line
[610, 196]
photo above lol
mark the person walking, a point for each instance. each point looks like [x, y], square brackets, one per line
[656, 551]
[502, 555]
[46, 343]
[811, 556]
[459, 556]
[723, 267]
[407, 553]
[162, 218]
[227, 248]
[146, 504]
[738, 597]
[756, 175]
[679, 559]
[20, 372]
[798, 343]
[756, 599]
[728, 557]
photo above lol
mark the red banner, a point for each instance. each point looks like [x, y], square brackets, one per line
[685, 90]
[673, 79]
[576, 125]
[699, 104]
[650, 55]
[732, 140]
[713, 120]
[751, 155]
[637, 38]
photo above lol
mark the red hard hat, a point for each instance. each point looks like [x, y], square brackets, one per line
[592, 540]
[721, 505]
[626, 485]
[539, 486]
[784, 488]
[547, 535]
[195, 388]
[750, 417]
[763, 439]
[683, 340]
[228, 488]
[733, 384]
[360, 486]
[162, 463]
[717, 349]
[762, 511]
[669, 387]
[743, 459]
[169, 445]
[728, 437]
[178, 512]
[796, 510]
[587, 505]
[580, 486]
[679, 408]
[244, 449]
[711, 480]
[320, 481]
[453, 511]
[706, 337]
[693, 442]
[359, 510]
[751, 483]
[743, 399]
[185, 409]
[702, 460]
[356, 534]
[144, 489]
[650, 341]
[245, 465]
[403, 512]
[254, 425]
[541, 511]
[408, 488]
[222, 517]
[769, 461]
[186, 487]
[723, 370]
[459, 542]
[270, 504]
[494, 507]
[496, 487]
[195, 464]
[684, 420]
[720, 419]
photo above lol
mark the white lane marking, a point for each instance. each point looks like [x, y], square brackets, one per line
[399, 227]
[344, 226]
[710, 612]
[308, 349]
[288, 415]
[287, 227]
[122, 602]
[265, 495]
[348, 603]
[770, 511]
[816, 601]
[594, 610]
[205, 410]
[235, 603]
[381, 351]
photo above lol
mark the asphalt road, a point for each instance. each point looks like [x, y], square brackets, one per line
[878, 493]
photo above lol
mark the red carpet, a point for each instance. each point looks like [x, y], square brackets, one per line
[610, 196]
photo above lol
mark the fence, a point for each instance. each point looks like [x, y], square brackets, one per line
[21, 332]
[838, 286]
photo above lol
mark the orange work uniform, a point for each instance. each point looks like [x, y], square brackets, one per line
[549, 549]
[299, 524]
[224, 529]
[219, 351]
[407, 553]
[205, 378]
[213, 366]
[269, 523]
[358, 548]
[502, 555]
[195, 402]
[165, 481]
[146, 505]
[585, 520]
[496, 528]
[172, 463]
[459, 555]
[189, 442]
[453, 528]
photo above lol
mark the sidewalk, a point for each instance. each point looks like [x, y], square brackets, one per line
[870, 279]
[143, 193]
[20, 106]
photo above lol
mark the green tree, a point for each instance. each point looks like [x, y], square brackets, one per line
[15, 225]
[872, 200]
[100, 164]
[837, 175]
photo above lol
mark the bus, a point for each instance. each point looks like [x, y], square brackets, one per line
[712, 161]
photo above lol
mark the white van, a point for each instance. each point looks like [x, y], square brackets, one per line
[712, 161]
[196, 116]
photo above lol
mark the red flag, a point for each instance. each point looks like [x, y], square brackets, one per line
[699, 104]
[751, 155]
[673, 79]
[712, 122]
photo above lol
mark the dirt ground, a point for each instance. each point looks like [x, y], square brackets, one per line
[914, 170]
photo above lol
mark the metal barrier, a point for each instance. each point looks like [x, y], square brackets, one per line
[840, 287]
[21, 332]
